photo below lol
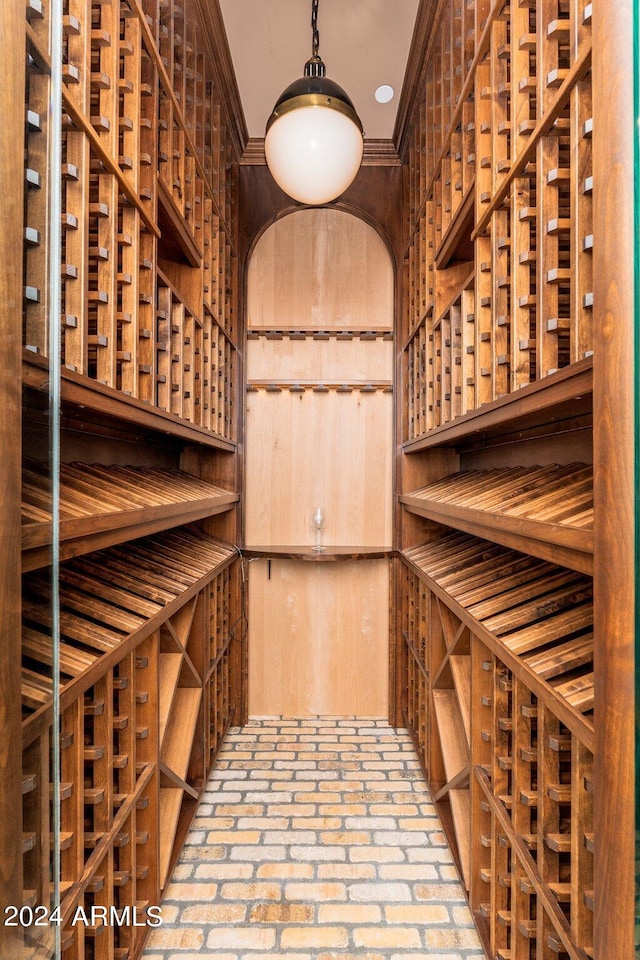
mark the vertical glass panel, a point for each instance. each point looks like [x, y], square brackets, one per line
[636, 79]
[39, 916]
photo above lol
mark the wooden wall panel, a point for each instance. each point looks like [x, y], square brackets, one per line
[348, 360]
[320, 269]
[318, 640]
[318, 449]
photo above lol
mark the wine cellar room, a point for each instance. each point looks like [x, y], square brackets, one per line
[337, 444]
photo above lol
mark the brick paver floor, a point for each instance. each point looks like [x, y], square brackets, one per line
[315, 840]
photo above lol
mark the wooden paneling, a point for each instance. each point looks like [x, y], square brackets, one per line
[318, 641]
[375, 195]
[314, 449]
[320, 269]
[281, 357]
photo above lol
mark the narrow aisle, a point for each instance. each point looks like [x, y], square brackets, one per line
[315, 840]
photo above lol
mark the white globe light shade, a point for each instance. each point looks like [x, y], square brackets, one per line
[313, 152]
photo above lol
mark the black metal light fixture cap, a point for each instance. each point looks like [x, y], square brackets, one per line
[318, 90]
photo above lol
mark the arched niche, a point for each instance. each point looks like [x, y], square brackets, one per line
[319, 432]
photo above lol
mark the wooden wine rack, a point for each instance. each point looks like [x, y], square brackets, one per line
[499, 223]
[148, 272]
[150, 638]
[143, 501]
[503, 722]
[497, 625]
[101, 505]
[548, 508]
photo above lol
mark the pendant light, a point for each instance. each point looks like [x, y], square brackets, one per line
[314, 138]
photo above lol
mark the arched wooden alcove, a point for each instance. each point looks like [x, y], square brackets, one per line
[320, 297]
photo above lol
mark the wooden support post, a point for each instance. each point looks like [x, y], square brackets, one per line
[615, 382]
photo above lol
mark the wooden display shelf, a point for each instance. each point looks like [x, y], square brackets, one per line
[128, 725]
[328, 553]
[169, 665]
[456, 242]
[547, 511]
[419, 326]
[557, 400]
[150, 148]
[81, 392]
[315, 333]
[109, 601]
[453, 740]
[176, 746]
[537, 617]
[102, 505]
[174, 227]
[320, 386]
[461, 672]
[502, 104]
[170, 805]
[460, 801]
[553, 896]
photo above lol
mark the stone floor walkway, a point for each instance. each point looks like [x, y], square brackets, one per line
[315, 840]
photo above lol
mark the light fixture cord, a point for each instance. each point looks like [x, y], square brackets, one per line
[314, 27]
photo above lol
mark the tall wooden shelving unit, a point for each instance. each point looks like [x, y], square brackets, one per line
[151, 619]
[507, 662]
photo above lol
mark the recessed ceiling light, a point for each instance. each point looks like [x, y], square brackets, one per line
[384, 94]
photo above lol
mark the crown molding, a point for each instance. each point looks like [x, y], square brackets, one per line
[428, 13]
[377, 153]
[220, 57]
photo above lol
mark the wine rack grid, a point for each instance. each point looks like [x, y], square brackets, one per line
[148, 178]
[513, 779]
[499, 200]
[496, 339]
[149, 637]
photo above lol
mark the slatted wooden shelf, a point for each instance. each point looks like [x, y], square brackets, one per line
[547, 511]
[537, 616]
[108, 600]
[498, 357]
[135, 747]
[144, 147]
[169, 666]
[461, 672]
[148, 325]
[329, 553]
[101, 505]
[513, 783]
[504, 113]
[561, 400]
[79, 392]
